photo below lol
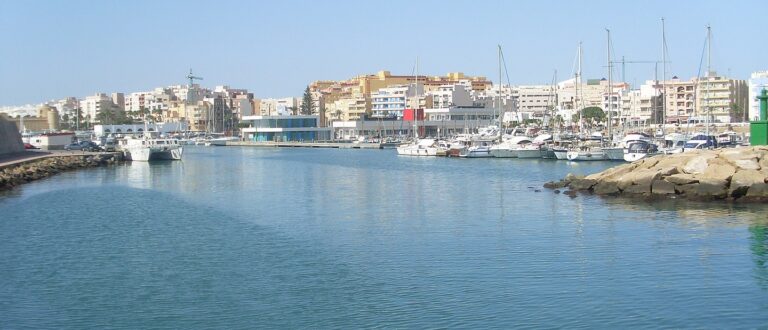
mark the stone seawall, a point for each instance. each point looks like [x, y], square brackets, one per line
[737, 174]
[10, 139]
[18, 174]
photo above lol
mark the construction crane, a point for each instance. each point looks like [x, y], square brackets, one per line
[192, 77]
[624, 66]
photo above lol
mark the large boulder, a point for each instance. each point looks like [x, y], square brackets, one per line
[705, 189]
[757, 190]
[718, 169]
[613, 173]
[582, 184]
[681, 178]
[698, 163]
[742, 180]
[661, 187]
[606, 188]
[642, 177]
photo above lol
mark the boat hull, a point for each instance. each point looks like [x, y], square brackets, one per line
[614, 153]
[412, 151]
[502, 153]
[529, 153]
[154, 153]
[561, 154]
[591, 155]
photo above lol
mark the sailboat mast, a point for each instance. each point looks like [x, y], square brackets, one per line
[416, 105]
[709, 62]
[501, 115]
[577, 83]
[663, 74]
[610, 88]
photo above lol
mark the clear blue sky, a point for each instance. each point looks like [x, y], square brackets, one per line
[53, 49]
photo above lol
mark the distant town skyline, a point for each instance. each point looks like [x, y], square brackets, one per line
[55, 49]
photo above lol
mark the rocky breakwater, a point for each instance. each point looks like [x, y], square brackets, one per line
[737, 174]
[17, 174]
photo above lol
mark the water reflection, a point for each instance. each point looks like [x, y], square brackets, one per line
[759, 247]
[695, 213]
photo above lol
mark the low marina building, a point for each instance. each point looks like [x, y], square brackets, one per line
[284, 128]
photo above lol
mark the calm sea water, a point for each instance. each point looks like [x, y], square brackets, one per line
[307, 238]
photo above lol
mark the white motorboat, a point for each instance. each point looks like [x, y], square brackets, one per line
[533, 149]
[148, 149]
[586, 154]
[507, 148]
[637, 150]
[560, 152]
[479, 149]
[423, 147]
[617, 151]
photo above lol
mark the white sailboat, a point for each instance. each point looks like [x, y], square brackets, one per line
[419, 147]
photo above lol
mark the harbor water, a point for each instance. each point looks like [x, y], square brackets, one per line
[243, 238]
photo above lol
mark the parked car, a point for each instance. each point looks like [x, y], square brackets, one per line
[29, 146]
[109, 146]
[83, 145]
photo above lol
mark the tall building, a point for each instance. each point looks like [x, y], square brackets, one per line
[118, 99]
[679, 99]
[446, 96]
[723, 99]
[535, 99]
[757, 82]
[92, 105]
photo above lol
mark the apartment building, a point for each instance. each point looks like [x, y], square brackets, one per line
[446, 96]
[348, 108]
[92, 105]
[722, 99]
[679, 99]
[757, 82]
[535, 100]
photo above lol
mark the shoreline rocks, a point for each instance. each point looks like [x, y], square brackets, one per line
[737, 174]
[37, 169]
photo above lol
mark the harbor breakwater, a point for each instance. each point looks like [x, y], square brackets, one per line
[10, 139]
[737, 174]
[39, 168]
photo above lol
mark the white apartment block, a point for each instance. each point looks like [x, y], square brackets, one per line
[718, 97]
[489, 99]
[536, 100]
[390, 102]
[279, 107]
[757, 82]
[92, 105]
[447, 96]
[66, 105]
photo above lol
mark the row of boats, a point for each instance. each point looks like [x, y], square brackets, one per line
[632, 147]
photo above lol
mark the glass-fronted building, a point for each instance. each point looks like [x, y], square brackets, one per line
[285, 128]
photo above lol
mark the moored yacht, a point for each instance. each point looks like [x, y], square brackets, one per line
[423, 147]
[639, 149]
[147, 148]
[478, 149]
[617, 151]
